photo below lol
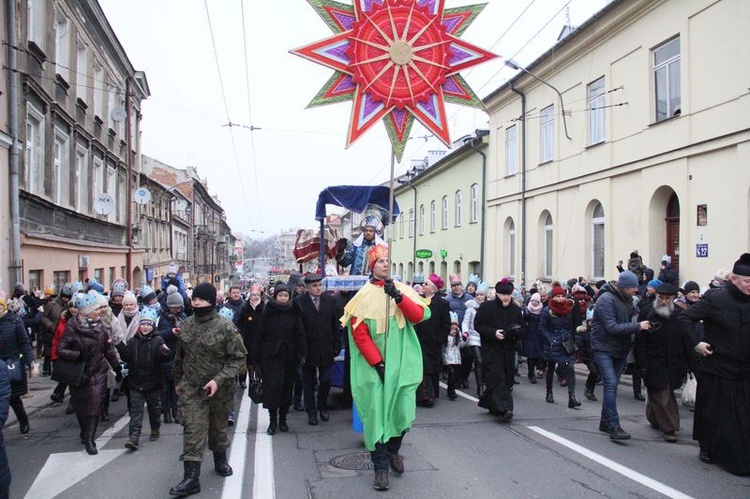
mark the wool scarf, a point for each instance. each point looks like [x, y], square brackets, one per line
[562, 307]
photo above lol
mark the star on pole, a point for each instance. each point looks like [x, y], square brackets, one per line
[397, 60]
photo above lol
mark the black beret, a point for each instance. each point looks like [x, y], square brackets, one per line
[666, 289]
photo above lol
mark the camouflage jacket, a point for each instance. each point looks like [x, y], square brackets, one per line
[209, 348]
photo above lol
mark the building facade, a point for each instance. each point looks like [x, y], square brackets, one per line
[645, 147]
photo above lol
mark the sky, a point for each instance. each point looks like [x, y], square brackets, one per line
[269, 169]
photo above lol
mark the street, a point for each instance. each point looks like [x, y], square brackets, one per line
[454, 450]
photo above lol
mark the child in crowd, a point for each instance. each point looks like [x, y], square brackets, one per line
[145, 353]
[452, 354]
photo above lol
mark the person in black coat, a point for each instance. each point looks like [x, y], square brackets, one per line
[249, 320]
[499, 323]
[660, 357]
[168, 327]
[145, 354]
[321, 323]
[278, 346]
[432, 335]
[15, 349]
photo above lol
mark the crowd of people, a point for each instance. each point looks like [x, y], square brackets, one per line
[180, 354]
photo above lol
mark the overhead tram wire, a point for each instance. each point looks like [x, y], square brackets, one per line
[226, 108]
[254, 165]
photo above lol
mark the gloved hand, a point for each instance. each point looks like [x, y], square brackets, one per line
[341, 248]
[118, 375]
[86, 356]
[390, 289]
[380, 368]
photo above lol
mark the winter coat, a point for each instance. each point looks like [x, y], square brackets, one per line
[431, 334]
[59, 330]
[611, 326]
[14, 341]
[669, 274]
[458, 304]
[249, 322]
[89, 399]
[4, 406]
[321, 330]
[636, 266]
[532, 341]
[467, 325]
[555, 329]
[53, 309]
[278, 346]
[452, 349]
[356, 256]
[164, 326]
[661, 354]
[145, 358]
[235, 307]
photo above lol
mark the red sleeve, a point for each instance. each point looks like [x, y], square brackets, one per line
[413, 312]
[59, 330]
[363, 340]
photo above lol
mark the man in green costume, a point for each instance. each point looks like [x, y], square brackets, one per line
[386, 362]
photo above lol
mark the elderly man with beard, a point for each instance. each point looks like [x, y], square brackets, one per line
[660, 356]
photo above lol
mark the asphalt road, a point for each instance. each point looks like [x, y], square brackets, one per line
[454, 450]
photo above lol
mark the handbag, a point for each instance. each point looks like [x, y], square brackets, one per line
[688, 391]
[15, 370]
[71, 372]
[255, 388]
[569, 346]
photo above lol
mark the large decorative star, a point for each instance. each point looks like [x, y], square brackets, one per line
[397, 60]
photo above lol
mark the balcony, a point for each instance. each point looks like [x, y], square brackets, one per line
[203, 231]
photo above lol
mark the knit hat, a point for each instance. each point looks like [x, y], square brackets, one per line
[49, 290]
[720, 278]
[87, 303]
[454, 279]
[666, 289]
[436, 280]
[577, 288]
[690, 286]
[147, 293]
[129, 297]
[205, 291]
[149, 316]
[417, 278]
[742, 266]
[504, 286]
[654, 283]
[174, 298]
[119, 286]
[556, 291]
[482, 288]
[67, 290]
[172, 269]
[279, 288]
[376, 252]
[535, 304]
[94, 285]
[454, 317]
[627, 279]
[227, 313]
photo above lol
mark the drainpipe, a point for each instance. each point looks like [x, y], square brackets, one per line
[523, 183]
[414, 242]
[484, 199]
[13, 169]
[129, 168]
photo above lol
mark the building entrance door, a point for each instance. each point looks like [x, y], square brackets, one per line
[673, 231]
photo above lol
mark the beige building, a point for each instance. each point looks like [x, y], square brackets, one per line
[647, 146]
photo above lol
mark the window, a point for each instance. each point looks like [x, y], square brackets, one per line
[81, 180]
[403, 221]
[111, 275]
[667, 79]
[459, 208]
[444, 221]
[112, 191]
[547, 134]
[36, 24]
[111, 103]
[474, 209]
[34, 158]
[411, 222]
[62, 47]
[60, 278]
[82, 72]
[433, 215]
[511, 151]
[511, 248]
[99, 89]
[548, 228]
[596, 96]
[35, 280]
[97, 180]
[421, 219]
[597, 238]
[122, 197]
[98, 274]
[61, 194]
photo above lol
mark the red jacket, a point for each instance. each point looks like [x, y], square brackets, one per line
[59, 330]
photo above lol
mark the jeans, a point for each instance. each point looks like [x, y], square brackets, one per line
[379, 456]
[610, 369]
[323, 376]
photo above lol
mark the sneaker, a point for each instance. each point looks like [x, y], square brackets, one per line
[617, 433]
[154, 435]
[381, 481]
[132, 443]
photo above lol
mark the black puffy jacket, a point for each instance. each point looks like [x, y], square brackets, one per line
[144, 356]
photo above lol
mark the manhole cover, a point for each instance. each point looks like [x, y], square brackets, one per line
[355, 461]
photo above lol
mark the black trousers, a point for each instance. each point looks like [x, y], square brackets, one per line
[379, 456]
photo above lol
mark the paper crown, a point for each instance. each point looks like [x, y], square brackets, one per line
[376, 252]
[417, 278]
[119, 286]
[149, 315]
[87, 302]
[227, 313]
[94, 285]
[146, 290]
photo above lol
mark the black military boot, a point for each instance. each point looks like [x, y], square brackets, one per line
[282, 419]
[549, 398]
[190, 484]
[272, 415]
[221, 465]
[572, 401]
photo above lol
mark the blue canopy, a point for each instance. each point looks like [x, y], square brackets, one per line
[355, 198]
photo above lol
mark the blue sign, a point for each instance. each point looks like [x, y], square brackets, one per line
[701, 250]
[149, 274]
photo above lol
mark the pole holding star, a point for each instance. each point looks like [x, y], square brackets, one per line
[397, 60]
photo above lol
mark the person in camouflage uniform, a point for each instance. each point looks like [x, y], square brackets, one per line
[209, 356]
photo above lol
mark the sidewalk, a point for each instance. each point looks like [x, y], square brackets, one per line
[37, 398]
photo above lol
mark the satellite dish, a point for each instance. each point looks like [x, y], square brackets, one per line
[141, 196]
[119, 114]
[104, 204]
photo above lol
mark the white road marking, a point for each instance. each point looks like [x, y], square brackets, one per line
[263, 486]
[616, 467]
[238, 453]
[460, 393]
[63, 470]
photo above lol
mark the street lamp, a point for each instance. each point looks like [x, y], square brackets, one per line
[511, 64]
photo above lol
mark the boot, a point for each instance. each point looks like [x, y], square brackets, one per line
[637, 390]
[589, 394]
[549, 397]
[221, 465]
[190, 484]
[174, 416]
[572, 402]
[115, 395]
[167, 416]
[90, 434]
[272, 414]
[69, 409]
[282, 419]
[105, 415]
[82, 426]
[381, 480]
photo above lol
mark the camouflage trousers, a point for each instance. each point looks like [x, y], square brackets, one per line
[204, 420]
